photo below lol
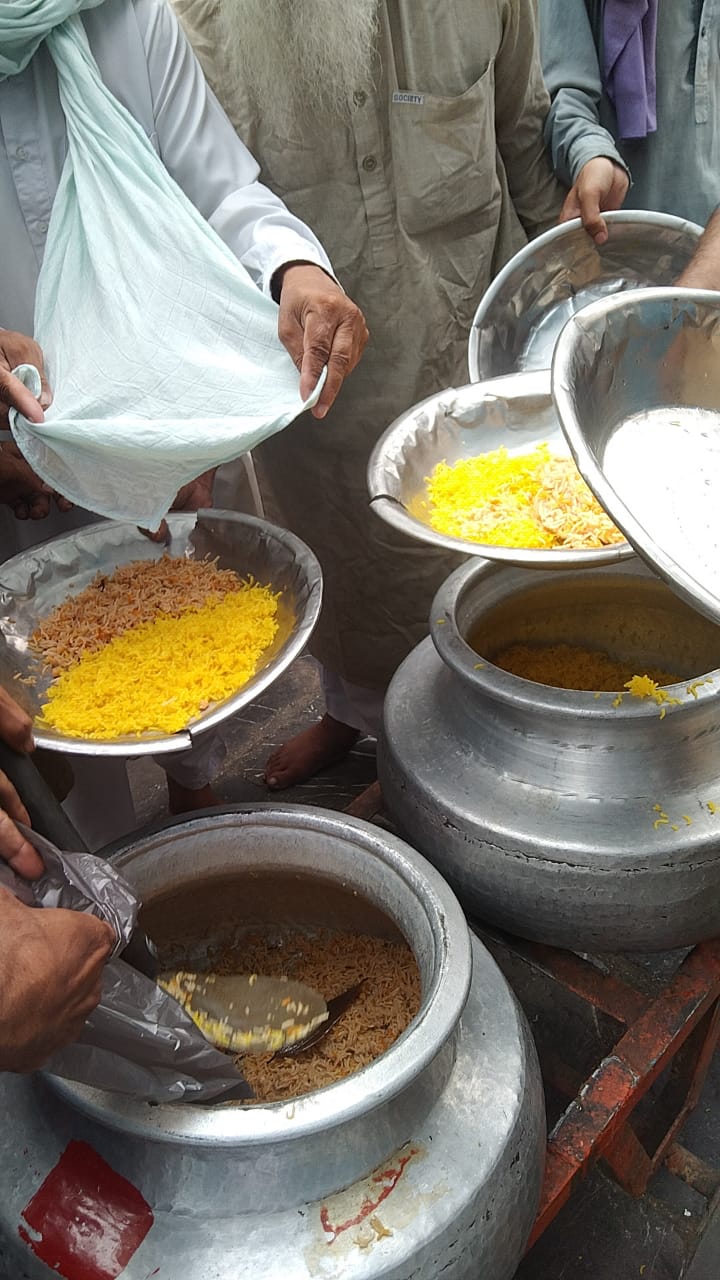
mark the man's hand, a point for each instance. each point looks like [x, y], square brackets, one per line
[601, 185]
[15, 349]
[197, 494]
[51, 963]
[192, 497]
[15, 724]
[703, 270]
[20, 488]
[319, 326]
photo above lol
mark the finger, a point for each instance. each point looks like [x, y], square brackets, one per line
[339, 364]
[10, 801]
[17, 850]
[16, 726]
[21, 510]
[319, 351]
[13, 392]
[63, 504]
[39, 506]
[593, 221]
[158, 535]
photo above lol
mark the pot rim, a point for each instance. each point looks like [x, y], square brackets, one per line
[480, 673]
[356, 1095]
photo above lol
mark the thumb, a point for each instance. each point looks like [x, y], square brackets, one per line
[593, 221]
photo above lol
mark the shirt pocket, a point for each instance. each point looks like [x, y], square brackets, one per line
[443, 152]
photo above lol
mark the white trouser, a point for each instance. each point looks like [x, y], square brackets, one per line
[351, 704]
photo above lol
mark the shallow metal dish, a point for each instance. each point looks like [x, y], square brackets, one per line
[520, 316]
[36, 581]
[462, 422]
[636, 381]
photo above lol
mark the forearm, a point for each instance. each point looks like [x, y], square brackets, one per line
[703, 272]
[574, 135]
[568, 53]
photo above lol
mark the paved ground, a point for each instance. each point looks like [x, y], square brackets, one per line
[602, 1234]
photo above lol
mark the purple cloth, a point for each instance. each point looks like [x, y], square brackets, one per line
[629, 30]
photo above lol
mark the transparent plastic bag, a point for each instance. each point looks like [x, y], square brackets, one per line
[138, 1040]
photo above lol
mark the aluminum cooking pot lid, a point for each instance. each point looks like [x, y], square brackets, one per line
[636, 385]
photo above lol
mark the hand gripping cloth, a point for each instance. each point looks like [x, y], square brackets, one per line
[162, 353]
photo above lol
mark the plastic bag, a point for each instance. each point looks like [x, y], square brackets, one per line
[162, 353]
[138, 1040]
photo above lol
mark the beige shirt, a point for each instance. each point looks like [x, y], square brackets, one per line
[419, 199]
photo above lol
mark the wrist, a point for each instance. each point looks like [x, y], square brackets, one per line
[289, 269]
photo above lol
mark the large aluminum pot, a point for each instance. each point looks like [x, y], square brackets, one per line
[427, 1161]
[571, 818]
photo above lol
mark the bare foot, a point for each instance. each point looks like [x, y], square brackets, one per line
[307, 753]
[183, 800]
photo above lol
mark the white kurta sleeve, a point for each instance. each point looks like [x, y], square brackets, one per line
[201, 150]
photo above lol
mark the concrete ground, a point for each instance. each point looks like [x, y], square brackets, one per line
[602, 1233]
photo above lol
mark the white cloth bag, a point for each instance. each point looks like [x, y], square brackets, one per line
[162, 354]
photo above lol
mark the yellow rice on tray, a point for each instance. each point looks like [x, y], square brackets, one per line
[331, 963]
[528, 500]
[131, 662]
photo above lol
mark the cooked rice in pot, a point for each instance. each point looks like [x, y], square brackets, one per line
[331, 963]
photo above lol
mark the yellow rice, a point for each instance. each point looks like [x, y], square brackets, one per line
[160, 675]
[530, 500]
[565, 666]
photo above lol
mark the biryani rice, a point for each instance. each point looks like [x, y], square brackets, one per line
[532, 500]
[331, 963]
[112, 604]
[564, 666]
[161, 675]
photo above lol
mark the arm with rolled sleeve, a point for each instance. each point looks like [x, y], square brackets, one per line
[573, 132]
[521, 104]
[201, 150]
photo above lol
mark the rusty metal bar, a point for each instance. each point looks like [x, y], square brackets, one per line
[594, 1121]
[604, 992]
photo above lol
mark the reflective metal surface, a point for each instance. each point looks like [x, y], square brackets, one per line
[560, 815]
[33, 583]
[517, 412]
[636, 381]
[522, 313]
[427, 1162]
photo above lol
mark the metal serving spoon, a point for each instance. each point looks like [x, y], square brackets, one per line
[249, 1013]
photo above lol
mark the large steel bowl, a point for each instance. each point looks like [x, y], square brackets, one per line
[33, 583]
[462, 422]
[427, 1162]
[520, 316]
[636, 382]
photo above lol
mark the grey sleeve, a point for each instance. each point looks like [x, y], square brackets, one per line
[573, 132]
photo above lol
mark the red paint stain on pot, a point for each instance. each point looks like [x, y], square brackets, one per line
[386, 1180]
[85, 1221]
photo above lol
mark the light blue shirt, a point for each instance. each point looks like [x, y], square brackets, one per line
[675, 170]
